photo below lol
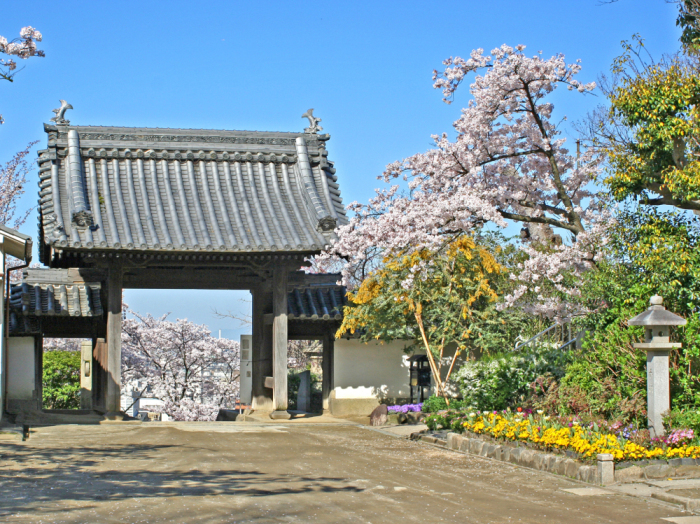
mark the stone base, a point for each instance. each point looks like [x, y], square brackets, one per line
[343, 407]
[280, 415]
[114, 415]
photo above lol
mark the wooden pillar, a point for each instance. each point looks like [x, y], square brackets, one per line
[99, 374]
[39, 371]
[114, 341]
[279, 342]
[261, 352]
[327, 367]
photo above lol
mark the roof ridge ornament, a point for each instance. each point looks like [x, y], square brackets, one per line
[61, 113]
[313, 122]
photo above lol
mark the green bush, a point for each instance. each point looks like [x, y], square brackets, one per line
[61, 380]
[434, 404]
[683, 419]
[500, 382]
[648, 252]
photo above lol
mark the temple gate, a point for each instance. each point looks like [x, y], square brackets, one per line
[123, 208]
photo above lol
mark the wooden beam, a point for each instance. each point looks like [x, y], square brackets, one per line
[279, 341]
[188, 278]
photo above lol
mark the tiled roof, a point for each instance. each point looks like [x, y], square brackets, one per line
[77, 300]
[107, 188]
[316, 302]
[31, 301]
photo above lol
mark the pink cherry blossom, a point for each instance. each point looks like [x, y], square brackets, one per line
[509, 162]
[23, 47]
[193, 373]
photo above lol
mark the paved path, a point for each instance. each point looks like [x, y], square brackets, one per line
[248, 472]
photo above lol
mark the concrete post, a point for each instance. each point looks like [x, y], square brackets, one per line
[114, 342]
[86, 374]
[605, 473]
[246, 371]
[279, 343]
[658, 390]
[304, 393]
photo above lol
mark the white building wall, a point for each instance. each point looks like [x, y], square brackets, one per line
[372, 370]
[20, 368]
[367, 374]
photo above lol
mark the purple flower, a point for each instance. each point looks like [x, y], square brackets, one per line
[406, 408]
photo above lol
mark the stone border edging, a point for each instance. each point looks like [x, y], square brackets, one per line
[604, 473]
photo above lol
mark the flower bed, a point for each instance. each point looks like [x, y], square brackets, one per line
[406, 408]
[551, 434]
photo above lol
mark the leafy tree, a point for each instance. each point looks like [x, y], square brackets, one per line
[61, 380]
[689, 20]
[649, 252]
[435, 298]
[651, 132]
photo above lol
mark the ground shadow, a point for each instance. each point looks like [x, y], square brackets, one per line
[69, 474]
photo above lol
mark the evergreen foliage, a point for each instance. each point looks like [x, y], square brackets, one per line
[61, 380]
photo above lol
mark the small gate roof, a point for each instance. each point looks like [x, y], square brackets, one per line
[323, 301]
[152, 189]
[51, 293]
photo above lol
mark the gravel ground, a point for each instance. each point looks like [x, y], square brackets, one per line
[248, 472]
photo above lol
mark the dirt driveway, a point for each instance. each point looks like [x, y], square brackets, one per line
[248, 472]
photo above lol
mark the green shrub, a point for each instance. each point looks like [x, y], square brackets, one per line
[61, 380]
[683, 419]
[434, 404]
[500, 382]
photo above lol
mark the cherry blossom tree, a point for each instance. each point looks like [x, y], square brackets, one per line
[23, 47]
[62, 344]
[180, 363]
[13, 178]
[509, 162]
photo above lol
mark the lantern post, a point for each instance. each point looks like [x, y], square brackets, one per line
[657, 323]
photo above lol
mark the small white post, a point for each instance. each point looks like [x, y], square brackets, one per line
[605, 473]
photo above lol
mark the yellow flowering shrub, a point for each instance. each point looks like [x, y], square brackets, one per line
[586, 442]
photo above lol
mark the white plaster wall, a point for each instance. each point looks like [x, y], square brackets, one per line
[20, 368]
[378, 371]
[372, 370]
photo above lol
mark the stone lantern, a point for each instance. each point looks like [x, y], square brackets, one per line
[657, 322]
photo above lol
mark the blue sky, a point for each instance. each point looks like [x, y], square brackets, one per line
[364, 66]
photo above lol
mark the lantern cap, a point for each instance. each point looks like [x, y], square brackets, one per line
[657, 315]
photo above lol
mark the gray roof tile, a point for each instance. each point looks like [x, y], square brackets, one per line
[152, 189]
[316, 302]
